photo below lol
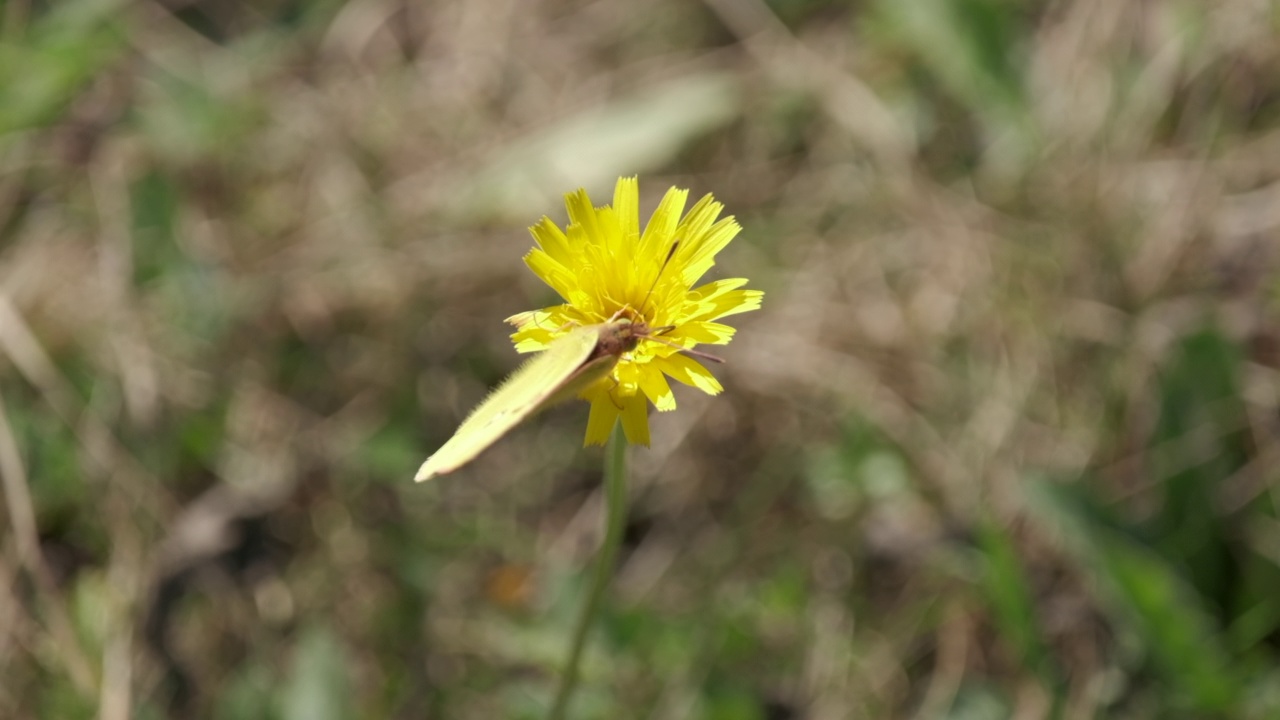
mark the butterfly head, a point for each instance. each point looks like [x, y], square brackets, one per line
[621, 336]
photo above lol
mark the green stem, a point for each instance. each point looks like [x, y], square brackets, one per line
[615, 495]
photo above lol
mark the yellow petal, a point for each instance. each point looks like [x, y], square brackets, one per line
[580, 243]
[603, 415]
[610, 237]
[718, 299]
[552, 273]
[738, 301]
[690, 372]
[532, 339]
[627, 376]
[694, 226]
[635, 420]
[713, 290]
[581, 213]
[702, 256]
[521, 319]
[655, 387]
[703, 331]
[551, 239]
[537, 328]
[661, 228]
[626, 203]
[616, 267]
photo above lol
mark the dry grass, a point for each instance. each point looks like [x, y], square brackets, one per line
[1000, 444]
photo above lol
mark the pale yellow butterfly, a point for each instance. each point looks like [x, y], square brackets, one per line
[571, 364]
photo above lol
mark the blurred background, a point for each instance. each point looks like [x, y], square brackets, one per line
[1002, 442]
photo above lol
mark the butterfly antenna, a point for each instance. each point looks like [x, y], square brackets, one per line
[654, 332]
[685, 350]
[670, 254]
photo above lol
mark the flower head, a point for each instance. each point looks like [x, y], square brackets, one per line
[605, 268]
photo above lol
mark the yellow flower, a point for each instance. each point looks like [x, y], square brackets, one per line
[605, 268]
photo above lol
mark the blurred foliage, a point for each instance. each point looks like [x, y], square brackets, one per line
[1001, 443]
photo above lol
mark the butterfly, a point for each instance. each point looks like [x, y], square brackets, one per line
[571, 364]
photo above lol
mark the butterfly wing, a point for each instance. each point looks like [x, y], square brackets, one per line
[541, 380]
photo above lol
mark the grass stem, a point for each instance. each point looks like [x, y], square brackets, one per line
[615, 494]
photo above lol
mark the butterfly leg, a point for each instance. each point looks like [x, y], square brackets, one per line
[625, 307]
[613, 398]
[535, 317]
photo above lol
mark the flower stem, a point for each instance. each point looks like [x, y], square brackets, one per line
[615, 495]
